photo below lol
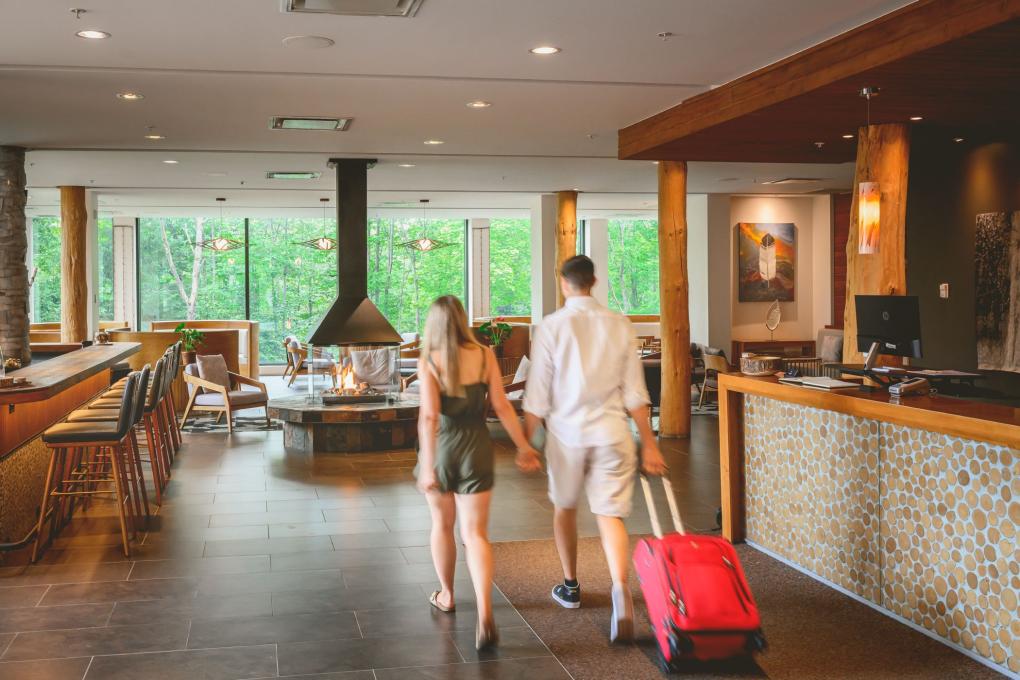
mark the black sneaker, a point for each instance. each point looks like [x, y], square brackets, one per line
[567, 596]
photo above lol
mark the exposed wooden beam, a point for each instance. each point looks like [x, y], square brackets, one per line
[74, 287]
[845, 62]
[883, 156]
[566, 231]
[675, 408]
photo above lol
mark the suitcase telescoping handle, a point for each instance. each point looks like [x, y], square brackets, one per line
[670, 498]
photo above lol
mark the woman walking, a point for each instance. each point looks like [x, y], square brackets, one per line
[455, 461]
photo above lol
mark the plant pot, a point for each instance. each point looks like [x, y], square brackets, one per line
[188, 357]
[498, 349]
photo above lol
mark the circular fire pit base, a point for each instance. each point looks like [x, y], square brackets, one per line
[350, 428]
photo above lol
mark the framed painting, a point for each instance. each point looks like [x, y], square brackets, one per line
[766, 261]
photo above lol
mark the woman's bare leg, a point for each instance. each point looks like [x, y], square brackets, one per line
[444, 548]
[473, 510]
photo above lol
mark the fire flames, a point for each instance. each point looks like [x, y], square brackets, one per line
[347, 383]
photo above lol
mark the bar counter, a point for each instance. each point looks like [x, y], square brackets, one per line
[912, 508]
[56, 387]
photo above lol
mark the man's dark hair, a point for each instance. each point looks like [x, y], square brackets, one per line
[579, 272]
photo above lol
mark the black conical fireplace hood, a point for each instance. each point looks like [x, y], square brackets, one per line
[353, 319]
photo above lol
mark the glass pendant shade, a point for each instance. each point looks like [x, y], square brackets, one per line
[221, 244]
[424, 244]
[868, 217]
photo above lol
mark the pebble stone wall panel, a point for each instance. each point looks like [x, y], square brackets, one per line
[24, 475]
[922, 524]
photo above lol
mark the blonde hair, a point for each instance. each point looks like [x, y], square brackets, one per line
[446, 331]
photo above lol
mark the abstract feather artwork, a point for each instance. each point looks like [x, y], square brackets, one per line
[997, 290]
[766, 261]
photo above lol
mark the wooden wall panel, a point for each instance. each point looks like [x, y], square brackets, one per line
[841, 204]
[566, 233]
[883, 156]
[675, 411]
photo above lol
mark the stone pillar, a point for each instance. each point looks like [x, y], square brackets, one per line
[566, 232]
[13, 249]
[478, 265]
[74, 288]
[544, 282]
[675, 412]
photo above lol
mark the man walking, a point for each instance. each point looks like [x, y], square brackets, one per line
[585, 378]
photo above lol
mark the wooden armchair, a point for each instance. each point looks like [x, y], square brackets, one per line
[298, 362]
[714, 365]
[209, 396]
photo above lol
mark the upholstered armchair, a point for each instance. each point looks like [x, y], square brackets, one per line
[212, 388]
[298, 362]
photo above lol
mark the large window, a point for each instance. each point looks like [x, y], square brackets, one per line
[46, 265]
[633, 270]
[291, 285]
[105, 229]
[510, 267]
[402, 281]
[179, 279]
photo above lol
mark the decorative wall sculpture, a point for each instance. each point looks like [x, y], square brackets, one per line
[766, 261]
[997, 290]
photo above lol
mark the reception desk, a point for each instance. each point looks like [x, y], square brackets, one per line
[56, 387]
[912, 507]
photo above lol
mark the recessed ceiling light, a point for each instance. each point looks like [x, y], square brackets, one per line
[545, 49]
[433, 142]
[405, 165]
[957, 139]
[92, 34]
[309, 123]
[170, 161]
[848, 136]
[916, 118]
[479, 104]
[308, 42]
[153, 135]
[293, 174]
[130, 96]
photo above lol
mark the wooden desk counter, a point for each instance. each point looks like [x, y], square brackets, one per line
[911, 507]
[57, 387]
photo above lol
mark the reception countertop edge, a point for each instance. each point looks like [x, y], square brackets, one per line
[52, 376]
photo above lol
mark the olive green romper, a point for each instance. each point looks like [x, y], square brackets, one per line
[464, 458]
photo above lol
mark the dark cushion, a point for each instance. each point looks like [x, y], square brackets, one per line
[93, 415]
[70, 433]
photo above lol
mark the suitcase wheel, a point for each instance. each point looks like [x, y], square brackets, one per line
[756, 642]
[667, 667]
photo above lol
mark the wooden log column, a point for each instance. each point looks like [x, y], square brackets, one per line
[883, 156]
[13, 248]
[74, 289]
[675, 412]
[566, 233]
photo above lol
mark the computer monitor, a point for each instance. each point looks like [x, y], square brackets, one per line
[892, 321]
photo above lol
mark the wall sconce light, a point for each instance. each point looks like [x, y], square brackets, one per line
[869, 198]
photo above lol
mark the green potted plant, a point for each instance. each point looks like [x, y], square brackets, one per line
[191, 339]
[495, 331]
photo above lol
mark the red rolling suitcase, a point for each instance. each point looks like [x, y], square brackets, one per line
[698, 599]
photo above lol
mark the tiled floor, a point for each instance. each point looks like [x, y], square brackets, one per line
[259, 568]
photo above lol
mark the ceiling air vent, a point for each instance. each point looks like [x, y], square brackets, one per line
[379, 8]
[306, 123]
[293, 174]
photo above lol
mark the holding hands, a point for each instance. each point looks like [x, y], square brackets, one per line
[528, 459]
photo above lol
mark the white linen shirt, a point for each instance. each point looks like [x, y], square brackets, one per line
[585, 374]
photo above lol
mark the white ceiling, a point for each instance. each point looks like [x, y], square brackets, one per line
[214, 72]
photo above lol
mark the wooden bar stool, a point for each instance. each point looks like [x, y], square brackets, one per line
[86, 456]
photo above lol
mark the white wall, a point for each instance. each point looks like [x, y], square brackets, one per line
[698, 266]
[811, 308]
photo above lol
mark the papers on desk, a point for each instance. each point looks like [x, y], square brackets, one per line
[819, 383]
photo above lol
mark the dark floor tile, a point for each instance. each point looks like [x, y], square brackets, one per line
[320, 504]
[348, 675]
[337, 559]
[345, 655]
[94, 641]
[273, 629]
[258, 518]
[5, 640]
[514, 643]
[42, 574]
[209, 534]
[265, 496]
[348, 599]
[115, 553]
[209, 509]
[367, 577]
[50, 669]
[269, 582]
[51, 618]
[204, 664]
[191, 608]
[367, 526]
[200, 566]
[424, 619]
[120, 591]
[465, 593]
[412, 523]
[267, 546]
[538, 668]
[23, 596]
[422, 554]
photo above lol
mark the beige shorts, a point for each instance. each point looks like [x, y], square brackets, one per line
[606, 473]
